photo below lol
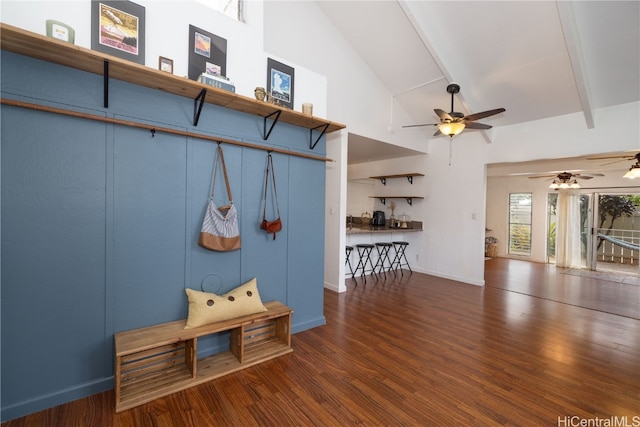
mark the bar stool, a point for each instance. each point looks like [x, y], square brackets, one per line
[348, 261]
[400, 259]
[383, 255]
[364, 251]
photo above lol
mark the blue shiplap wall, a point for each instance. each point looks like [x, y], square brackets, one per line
[100, 226]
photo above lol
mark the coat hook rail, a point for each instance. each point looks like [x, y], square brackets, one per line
[138, 125]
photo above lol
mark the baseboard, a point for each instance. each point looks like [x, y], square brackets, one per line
[60, 397]
[452, 277]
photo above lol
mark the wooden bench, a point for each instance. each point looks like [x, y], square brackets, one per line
[162, 359]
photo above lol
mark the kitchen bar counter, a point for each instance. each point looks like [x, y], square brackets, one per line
[358, 228]
[369, 229]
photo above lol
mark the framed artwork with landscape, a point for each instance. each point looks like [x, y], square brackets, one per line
[118, 29]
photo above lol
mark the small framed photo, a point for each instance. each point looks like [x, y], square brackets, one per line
[165, 64]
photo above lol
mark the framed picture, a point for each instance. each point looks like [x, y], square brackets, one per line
[280, 79]
[165, 64]
[207, 53]
[117, 28]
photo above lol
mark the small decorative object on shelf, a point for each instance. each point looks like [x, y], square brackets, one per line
[260, 93]
[165, 64]
[217, 81]
[307, 108]
[60, 31]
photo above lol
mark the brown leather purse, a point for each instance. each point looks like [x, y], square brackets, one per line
[275, 225]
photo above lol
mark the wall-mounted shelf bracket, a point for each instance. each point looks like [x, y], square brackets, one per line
[383, 200]
[313, 144]
[383, 180]
[105, 80]
[198, 102]
[410, 179]
[275, 120]
[409, 201]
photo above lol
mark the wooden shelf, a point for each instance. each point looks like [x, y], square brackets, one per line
[409, 199]
[409, 176]
[26, 43]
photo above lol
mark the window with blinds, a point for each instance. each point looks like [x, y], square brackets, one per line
[520, 224]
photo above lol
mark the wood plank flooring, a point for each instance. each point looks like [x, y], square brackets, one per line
[425, 351]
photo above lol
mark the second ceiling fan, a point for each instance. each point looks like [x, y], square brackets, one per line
[453, 123]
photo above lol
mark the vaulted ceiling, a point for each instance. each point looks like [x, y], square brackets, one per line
[537, 59]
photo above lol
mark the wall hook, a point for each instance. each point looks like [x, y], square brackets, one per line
[153, 133]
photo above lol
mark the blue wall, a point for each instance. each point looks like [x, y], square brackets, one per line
[100, 226]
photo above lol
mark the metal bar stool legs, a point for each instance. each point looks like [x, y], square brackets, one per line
[400, 259]
[364, 250]
[383, 255]
[348, 261]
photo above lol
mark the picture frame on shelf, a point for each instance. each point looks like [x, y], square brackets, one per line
[118, 29]
[280, 83]
[165, 64]
[206, 52]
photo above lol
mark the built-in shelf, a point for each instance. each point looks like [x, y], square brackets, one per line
[383, 199]
[409, 176]
[37, 46]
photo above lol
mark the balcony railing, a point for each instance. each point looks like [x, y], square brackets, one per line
[623, 248]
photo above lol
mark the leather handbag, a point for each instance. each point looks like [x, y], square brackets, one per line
[220, 231]
[271, 227]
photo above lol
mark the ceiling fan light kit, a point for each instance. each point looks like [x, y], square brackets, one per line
[633, 172]
[452, 123]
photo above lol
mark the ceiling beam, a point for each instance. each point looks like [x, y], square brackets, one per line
[572, 41]
[432, 51]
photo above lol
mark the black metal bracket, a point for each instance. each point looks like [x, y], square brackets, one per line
[105, 80]
[265, 134]
[383, 180]
[410, 201]
[410, 179]
[197, 106]
[312, 144]
[383, 200]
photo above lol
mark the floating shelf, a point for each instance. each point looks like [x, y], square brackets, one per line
[409, 199]
[409, 176]
[37, 46]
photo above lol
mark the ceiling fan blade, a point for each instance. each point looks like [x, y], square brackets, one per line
[484, 114]
[474, 125]
[426, 124]
[437, 133]
[542, 176]
[443, 114]
[587, 175]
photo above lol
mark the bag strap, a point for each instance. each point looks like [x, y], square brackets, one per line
[219, 158]
[266, 184]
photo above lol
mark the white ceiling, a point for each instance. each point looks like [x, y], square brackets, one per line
[537, 59]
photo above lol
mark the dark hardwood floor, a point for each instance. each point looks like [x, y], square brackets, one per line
[531, 348]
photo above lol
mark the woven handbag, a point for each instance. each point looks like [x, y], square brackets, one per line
[220, 231]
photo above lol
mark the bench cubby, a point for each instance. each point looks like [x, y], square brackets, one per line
[158, 360]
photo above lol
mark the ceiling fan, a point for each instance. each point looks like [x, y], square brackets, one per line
[453, 123]
[565, 180]
[634, 170]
